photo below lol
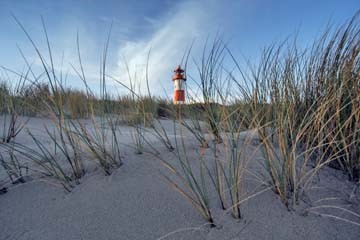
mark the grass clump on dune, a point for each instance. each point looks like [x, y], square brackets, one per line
[101, 138]
[11, 108]
[305, 106]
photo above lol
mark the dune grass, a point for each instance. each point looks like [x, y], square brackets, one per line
[15, 170]
[11, 108]
[305, 107]
[101, 138]
[189, 182]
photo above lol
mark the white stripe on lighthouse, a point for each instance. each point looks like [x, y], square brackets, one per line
[179, 84]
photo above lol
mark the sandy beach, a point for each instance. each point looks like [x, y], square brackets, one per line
[135, 202]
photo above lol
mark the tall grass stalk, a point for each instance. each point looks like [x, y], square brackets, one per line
[189, 183]
[11, 107]
[210, 74]
[101, 139]
[15, 169]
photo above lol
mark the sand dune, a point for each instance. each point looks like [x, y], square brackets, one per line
[136, 203]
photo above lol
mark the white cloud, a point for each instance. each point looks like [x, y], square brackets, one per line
[186, 21]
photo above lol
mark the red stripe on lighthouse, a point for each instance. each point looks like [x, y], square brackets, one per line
[179, 96]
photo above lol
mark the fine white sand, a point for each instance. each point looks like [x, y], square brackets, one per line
[136, 203]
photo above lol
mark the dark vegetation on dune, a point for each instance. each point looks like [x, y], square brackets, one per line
[304, 104]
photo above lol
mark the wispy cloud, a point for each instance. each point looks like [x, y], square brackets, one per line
[186, 22]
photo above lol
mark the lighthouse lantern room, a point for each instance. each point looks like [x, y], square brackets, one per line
[179, 86]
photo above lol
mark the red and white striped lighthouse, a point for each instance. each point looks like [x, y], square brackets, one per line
[179, 86]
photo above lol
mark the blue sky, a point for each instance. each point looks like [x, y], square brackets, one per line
[167, 27]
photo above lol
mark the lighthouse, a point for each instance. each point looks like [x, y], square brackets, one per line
[179, 85]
